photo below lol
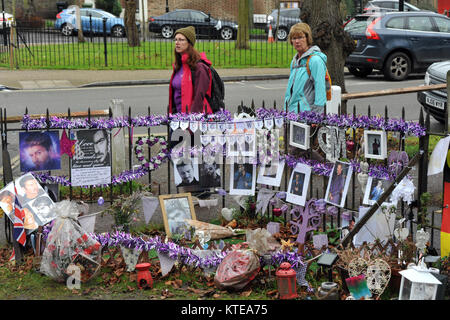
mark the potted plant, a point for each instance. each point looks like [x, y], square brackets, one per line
[124, 208]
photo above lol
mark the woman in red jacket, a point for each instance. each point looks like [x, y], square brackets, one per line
[187, 95]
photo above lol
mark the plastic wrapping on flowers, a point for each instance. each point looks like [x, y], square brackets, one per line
[69, 250]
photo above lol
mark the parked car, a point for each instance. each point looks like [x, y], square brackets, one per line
[435, 101]
[397, 43]
[66, 22]
[288, 17]
[8, 20]
[387, 5]
[204, 24]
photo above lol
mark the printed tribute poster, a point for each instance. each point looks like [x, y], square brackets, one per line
[91, 163]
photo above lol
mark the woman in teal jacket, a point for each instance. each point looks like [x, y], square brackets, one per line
[308, 91]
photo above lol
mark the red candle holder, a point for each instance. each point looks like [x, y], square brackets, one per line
[277, 212]
[144, 277]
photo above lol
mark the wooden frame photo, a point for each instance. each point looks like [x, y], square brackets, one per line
[175, 209]
[299, 135]
[375, 144]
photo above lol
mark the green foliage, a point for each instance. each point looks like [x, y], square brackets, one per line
[112, 6]
[125, 207]
[422, 219]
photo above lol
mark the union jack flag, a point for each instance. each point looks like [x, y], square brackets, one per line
[18, 231]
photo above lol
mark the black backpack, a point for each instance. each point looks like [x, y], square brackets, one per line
[217, 90]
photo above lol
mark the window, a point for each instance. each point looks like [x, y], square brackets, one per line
[443, 24]
[420, 24]
[396, 23]
[198, 16]
[182, 15]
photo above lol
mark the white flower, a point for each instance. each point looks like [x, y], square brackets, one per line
[157, 161]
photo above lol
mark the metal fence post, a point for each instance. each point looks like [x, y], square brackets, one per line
[104, 41]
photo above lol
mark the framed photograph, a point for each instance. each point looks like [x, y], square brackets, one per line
[298, 184]
[7, 199]
[375, 144]
[338, 183]
[39, 151]
[242, 179]
[374, 189]
[175, 209]
[210, 175]
[91, 162]
[271, 173]
[299, 135]
[186, 173]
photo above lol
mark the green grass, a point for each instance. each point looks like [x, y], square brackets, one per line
[150, 55]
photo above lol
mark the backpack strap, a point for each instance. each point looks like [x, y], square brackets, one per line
[307, 65]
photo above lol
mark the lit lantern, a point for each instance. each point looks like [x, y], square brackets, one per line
[277, 212]
[418, 284]
[144, 277]
[287, 281]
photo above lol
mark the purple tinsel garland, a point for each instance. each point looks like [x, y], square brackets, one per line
[310, 117]
[175, 251]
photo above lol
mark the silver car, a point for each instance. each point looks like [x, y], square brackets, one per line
[435, 101]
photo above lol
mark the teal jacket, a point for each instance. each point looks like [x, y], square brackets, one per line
[301, 88]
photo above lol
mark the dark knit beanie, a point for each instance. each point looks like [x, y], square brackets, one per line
[188, 32]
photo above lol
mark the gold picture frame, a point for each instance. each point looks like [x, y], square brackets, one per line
[175, 208]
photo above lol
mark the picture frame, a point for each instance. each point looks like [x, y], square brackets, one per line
[338, 183]
[298, 184]
[245, 183]
[175, 208]
[39, 150]
[374, 189]
[7, 200]
[299, 135]
[271, 175]
[375, 144]
[186, 173]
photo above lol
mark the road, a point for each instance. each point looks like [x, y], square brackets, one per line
[140, 97]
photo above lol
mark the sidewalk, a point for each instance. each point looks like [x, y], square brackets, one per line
[46, 79]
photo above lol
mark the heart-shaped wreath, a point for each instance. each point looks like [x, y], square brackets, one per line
[155, 161]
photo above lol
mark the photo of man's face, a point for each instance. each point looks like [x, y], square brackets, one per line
[39, 151]
[186, 172]
[177, 211]
[31, 188]
[42, 207]
[7, 198]
[101, 147]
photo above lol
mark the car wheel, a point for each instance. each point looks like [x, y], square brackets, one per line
[118, 31]
[67, 30]
[360, 72]
[167, 32]
[397, 66]
[226, 33]
[282, 34]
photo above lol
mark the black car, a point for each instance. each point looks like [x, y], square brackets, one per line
[435, 101]
[288, 17]
[204, 24]
[397, 43]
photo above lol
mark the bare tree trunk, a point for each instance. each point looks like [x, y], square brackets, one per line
[243, 36]
[79, 24]
[325, 19]
[130, 24]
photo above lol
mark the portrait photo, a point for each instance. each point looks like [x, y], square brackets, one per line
[271, 173]
[242, 179]
[299, 135]
[338, 183]
[374, 189]
[39, 151]
[28, 189]
[186, 173]
[210, 175]
[375, 144]
[42, 208]
[7, 199]
[91, 162]
[298, 184]
[175, 209]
